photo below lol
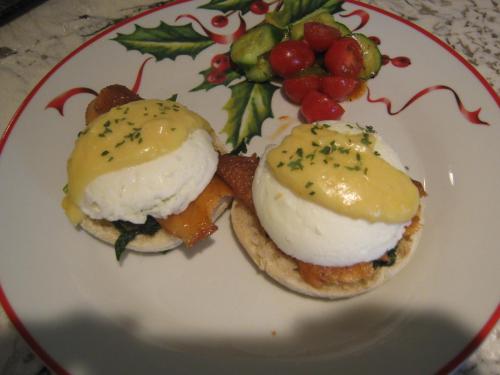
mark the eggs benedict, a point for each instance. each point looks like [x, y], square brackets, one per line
[142, 174]
[332, 213]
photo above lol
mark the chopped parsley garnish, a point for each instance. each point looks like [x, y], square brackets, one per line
[366, 139]
[308, 184]
[280, 164]
[295, 164]
[325, 150]
[300, 152]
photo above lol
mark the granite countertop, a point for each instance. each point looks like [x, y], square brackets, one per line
[31, 44]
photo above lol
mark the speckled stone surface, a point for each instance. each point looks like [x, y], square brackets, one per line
[33, 43]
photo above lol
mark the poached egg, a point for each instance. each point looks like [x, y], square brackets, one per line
[334, 195]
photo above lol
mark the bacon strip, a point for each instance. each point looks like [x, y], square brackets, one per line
[238, 172]
[319, 276]
[196, 221]
[109, 97]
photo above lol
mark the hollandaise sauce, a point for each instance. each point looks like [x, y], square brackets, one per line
[344, 173]
[126, 136]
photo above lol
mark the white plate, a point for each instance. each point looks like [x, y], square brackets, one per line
[209, 309]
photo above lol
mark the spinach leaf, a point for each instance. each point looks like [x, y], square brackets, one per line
[382, 262]
[128, 231]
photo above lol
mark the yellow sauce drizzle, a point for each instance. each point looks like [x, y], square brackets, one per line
[343, 172]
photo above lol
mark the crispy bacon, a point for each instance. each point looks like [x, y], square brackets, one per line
[319, 276]
[238, 172]
[420, 187]
[195, 222]
[109, 97]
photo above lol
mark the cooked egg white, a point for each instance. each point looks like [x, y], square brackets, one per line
[148, 157]
[159, 188]
[311, 231]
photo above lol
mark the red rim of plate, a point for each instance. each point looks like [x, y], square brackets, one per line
[51, 362]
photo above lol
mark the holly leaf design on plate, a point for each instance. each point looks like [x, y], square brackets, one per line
[165, 41]
[228, 5]
[229, 76]
[248, 107]
[293, 11]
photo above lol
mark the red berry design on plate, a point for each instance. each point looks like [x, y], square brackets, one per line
[259, 7]
[216, 77]
[290, 57]
[400, 61]
[219, 21]
[316, 106]
[221, 62]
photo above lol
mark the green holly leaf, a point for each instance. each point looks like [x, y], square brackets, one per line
[165, 41]
[293, 11]
[230, 76]
[228, 5]
[248, 107]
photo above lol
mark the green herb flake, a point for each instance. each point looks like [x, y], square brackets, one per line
[300, 152]
[376, 153]
[358, 156]
[280, 164]
[325, 150]
[355, 168]
[104, 153]
[65, 189]
[366, 139]
[315, 144]
[295, 164]
[308, 184]
[312, 192]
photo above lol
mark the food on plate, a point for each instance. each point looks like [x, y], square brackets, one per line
[329, 212]
[315, 55]
[142, 174]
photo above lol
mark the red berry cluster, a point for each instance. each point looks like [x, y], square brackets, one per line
[219, 65]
